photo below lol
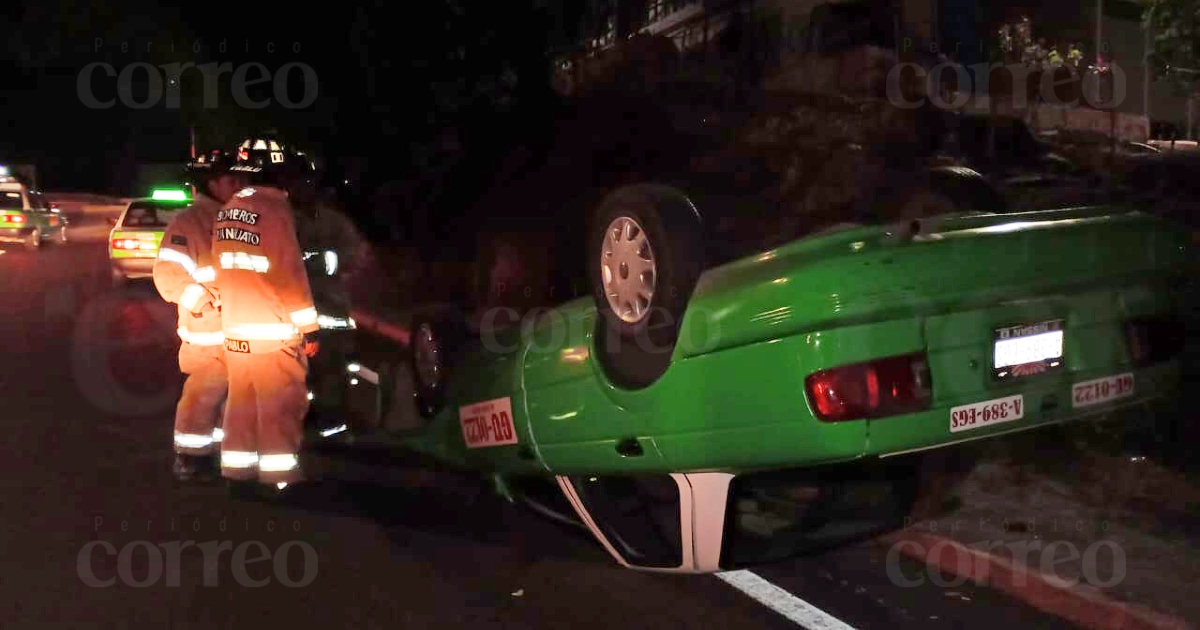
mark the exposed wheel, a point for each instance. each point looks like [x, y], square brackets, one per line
[34, 239]
[915, 196]
[435, 337]
[923, 203]
[645, 255]
[967, 189]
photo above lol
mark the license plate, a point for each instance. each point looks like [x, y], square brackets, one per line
[1027, 349]
[488, 423]
[987, 413]
[1102, 390]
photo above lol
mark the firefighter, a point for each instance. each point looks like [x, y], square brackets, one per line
[184, 275]
[333, 246]
[333, 250]
[269, 322]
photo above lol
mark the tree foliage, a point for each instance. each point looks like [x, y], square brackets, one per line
[1176, 28]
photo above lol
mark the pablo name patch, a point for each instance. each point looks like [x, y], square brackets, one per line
[234, 345]
[239, 235]
[239, 215]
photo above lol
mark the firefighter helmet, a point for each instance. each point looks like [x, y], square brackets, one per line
[269, 162]
[207, 167]
[213, 163]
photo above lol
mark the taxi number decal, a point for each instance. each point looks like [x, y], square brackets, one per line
[1102, 390]
[234, 345]
[488, 423]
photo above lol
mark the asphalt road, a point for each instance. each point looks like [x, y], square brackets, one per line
[96, 533]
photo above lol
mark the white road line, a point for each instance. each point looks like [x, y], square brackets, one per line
[795, 609]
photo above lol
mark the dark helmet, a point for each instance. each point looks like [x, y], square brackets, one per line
[271, 163]
[208, 166]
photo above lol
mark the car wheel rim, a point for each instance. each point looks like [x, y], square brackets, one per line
[428, 357]
[628, 270]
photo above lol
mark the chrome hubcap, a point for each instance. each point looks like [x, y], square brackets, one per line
[429, 365]
[628, 269]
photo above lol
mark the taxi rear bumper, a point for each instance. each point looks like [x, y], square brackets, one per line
[14, 235]
[132, 268]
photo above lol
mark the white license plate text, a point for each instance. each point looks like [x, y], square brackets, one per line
[987, 413]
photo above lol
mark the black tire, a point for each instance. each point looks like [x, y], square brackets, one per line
[966, 189]
[442, 333]
[636, 349]
[910, 199]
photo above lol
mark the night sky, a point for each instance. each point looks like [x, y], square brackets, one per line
[393, 82]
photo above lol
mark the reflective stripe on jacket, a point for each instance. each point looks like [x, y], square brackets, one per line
[266, 299]
[184, 273]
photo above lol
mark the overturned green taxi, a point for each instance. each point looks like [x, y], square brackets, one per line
[645, 404]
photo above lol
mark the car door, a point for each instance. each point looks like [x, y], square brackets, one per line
[39, 213]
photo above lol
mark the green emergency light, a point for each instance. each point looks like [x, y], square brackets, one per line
[169, 195]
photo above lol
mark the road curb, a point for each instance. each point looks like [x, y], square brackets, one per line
[1078, 604]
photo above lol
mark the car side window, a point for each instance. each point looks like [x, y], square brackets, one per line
[37, 201]
[11, 200]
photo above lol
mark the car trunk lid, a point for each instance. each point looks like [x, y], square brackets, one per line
[952, 264]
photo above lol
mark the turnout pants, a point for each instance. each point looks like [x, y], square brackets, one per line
[198, 414]
[264, 419]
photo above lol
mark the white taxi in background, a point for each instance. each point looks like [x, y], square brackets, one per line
[136, 234]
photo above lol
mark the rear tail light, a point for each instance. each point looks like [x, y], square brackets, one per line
[15, 218]
[1154, 339]
[875, 389]
[127, 243]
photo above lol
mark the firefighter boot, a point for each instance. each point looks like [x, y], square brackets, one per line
[208, 467]
[187, 467]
